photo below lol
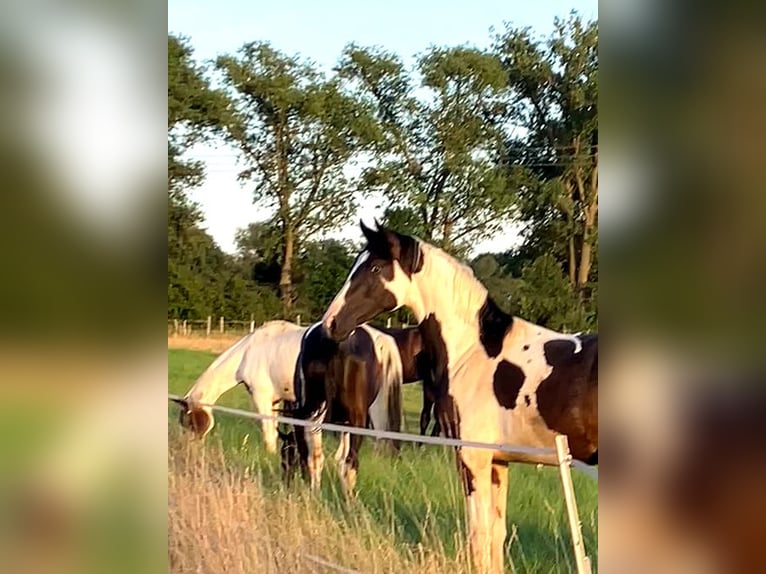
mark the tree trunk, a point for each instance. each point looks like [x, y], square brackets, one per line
[591, 210]
[572, 262]
[585, 260]
[286, 275]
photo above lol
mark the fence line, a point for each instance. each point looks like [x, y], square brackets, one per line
[186, 326]
[404, 437]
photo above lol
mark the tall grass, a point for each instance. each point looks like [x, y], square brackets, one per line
[225, 520]
[408, 513]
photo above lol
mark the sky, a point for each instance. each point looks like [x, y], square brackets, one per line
[319, 30]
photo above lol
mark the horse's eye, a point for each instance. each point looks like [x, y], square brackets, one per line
[375, 269]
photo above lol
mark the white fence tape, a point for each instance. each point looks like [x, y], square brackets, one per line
[404, 437]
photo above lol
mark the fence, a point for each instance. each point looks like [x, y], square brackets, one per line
[220, 326]
[561, 453]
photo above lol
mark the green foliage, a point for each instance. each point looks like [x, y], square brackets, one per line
[322, 268]
[195, 113]
[457, 147]
[555, 162]
[436, 154]
[296, 131]
[546, 297]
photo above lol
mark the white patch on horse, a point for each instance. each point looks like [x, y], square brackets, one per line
[398, 285]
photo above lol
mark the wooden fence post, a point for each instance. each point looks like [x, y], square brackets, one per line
[298, 320]
[221, 324]
[252, 326]
[565, 458]
[175, 327]
[185, 332]
[209, 324]
[388, 322]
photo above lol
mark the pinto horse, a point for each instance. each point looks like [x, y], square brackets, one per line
[263, 361]
[500, 379]
[417, 366]
[356, 382]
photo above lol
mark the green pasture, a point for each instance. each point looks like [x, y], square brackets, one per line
[414, 497]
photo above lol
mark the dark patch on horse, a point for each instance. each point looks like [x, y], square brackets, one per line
[525, 348]
[568, 398]
[416, 366]
[199, 420]
[507, 383]
[527, 401]
[466, 476]
[558, 351]
[592, 459]
[493, 325]
[392, 246]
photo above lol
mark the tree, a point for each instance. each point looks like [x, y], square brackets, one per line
[546, 297]
[438, 152]
[555, 162]
[296, 132]
[196, 112]
[322, 268]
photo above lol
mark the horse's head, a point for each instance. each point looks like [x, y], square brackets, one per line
[379, 281]
[195, 418]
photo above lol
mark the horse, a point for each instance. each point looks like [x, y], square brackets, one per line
[499, 378]
[356, 382]
[416, 367]
[264, 362]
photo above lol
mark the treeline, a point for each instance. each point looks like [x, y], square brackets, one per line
[467, 141]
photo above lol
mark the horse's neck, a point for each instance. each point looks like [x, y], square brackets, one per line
[453, 296]
[220, 376]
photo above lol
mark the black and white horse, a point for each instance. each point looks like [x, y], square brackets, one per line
[499, 379]
[356, 382]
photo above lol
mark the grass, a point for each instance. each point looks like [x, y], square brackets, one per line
[408, 515]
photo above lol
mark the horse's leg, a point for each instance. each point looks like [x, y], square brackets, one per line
[263, 402]
[425, 413]
[351, 466]
[437, 427]
[499, 502]
[342, 452]
[315, 457]
[475, 467]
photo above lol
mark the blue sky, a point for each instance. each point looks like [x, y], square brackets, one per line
[318, 30]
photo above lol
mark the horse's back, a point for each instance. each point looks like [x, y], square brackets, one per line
[270, 358]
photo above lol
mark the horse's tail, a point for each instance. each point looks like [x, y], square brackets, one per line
[394, 378]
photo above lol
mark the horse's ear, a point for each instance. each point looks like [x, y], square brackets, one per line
[181, 402]
[377, 242]
[404, 249]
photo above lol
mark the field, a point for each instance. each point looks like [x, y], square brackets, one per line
[229, 511]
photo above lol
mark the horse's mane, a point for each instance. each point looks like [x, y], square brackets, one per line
[469, 291]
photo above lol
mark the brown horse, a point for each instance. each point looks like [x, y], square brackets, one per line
[417, 366]
[504, 380]
[355, 382]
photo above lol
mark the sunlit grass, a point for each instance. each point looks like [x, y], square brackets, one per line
[413, 500]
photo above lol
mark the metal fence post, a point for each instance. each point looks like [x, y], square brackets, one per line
[575, 527]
